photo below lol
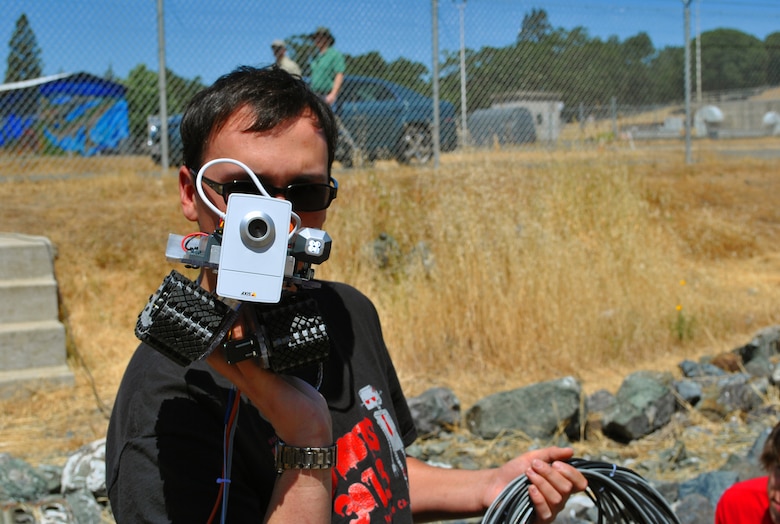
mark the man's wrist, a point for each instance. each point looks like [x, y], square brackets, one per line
[295, 457]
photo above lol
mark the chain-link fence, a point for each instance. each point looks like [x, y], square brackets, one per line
[81, 77]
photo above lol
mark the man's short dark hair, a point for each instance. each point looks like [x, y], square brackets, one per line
[271, 93]
[770, 455]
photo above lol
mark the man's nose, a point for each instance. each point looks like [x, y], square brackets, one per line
[276, 192]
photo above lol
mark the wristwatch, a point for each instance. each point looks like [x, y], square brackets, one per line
[293, 457]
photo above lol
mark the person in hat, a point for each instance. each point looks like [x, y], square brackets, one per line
[279, 49]
[328, 67]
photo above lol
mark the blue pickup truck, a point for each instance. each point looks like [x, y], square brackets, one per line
[378, 120]
[384, 120]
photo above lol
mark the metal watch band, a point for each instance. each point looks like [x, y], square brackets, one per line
[293, 457]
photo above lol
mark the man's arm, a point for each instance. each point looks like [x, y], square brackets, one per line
[301, 495]
[438, 493]
[300, 417]
[334, 93]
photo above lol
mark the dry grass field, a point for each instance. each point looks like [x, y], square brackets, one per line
[590, 262]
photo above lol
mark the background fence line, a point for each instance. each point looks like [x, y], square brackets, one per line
[81, 79]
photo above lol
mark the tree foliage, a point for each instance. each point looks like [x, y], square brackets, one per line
[575, 68]
[581, 70]
[668, 75]
[413, 75]
[731, 59]
[535, 27]
[24, 55]
[566, 64]
[143, 99]
[772, 46]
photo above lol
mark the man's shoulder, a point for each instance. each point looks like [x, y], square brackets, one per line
[745, 501]
[754, 484]
[340, 289]
[338, 296]
[333, 53]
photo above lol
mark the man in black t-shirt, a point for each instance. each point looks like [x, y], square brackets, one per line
[166, 458]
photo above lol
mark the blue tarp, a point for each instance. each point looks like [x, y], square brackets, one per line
[78, 113]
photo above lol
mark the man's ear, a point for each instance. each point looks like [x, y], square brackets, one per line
[188, 195]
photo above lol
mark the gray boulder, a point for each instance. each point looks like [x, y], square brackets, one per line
[711, 485]
[434, 410]
[19, 481]
[695, 509]
[735, 392]
[645, 403]
[538, 410]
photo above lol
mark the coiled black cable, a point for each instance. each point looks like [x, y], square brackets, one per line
[619, 494]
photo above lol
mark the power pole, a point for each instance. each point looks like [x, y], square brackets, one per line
[698, 54]
[463, 110]
[687, 23]
[435, 82]
[161, 87]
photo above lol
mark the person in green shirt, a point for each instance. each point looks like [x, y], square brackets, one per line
[328, 67]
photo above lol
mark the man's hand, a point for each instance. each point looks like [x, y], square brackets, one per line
[444, 494]
[296, 410]
[552, 481]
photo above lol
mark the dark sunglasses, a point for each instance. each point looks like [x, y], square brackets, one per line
[303, 197]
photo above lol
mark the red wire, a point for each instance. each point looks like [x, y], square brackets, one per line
[187, 238]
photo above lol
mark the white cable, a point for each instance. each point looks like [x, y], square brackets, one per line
[199, 187]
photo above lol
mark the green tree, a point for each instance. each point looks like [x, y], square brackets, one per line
[668, 75]
[772, 46]
[401, 71]
[143, 98]
[535, 27]
[636, 52]
[368, 64]
[24, 55]
[731, 59]
[638, 49]
[302, 49]
[413, 75]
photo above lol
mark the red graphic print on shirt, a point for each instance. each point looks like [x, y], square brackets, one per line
[362, 482]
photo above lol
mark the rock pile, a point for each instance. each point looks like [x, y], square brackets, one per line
[724, 400]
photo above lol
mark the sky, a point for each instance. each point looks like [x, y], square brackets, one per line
[208, 38]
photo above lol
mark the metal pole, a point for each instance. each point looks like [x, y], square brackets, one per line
[698, 54]
[613, 111]
[161, 87]
[687, 11]
[435, 82]
[463, 110]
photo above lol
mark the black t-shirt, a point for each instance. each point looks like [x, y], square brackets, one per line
[165, 438]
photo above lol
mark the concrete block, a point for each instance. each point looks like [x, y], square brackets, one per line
[33, 354]
[28, 300]
[24, 382]
[32, 344]
[25, 256]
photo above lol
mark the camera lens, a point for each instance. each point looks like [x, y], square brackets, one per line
[257, 230]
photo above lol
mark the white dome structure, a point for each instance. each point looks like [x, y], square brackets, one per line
[707, 121]
[771, 122]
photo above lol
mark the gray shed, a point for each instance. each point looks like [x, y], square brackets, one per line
[502, 125]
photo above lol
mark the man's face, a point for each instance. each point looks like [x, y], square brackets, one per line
[321, 41]
[293, 153]
[773, 490]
